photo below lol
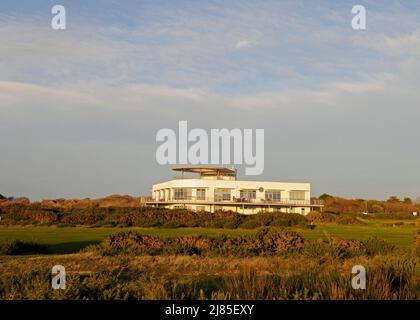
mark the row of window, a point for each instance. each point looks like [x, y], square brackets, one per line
[253, 208]
[225, 194]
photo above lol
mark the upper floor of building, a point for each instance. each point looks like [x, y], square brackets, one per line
[219, 185]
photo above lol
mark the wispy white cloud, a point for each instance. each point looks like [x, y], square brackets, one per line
[242, 44]
[404, 45]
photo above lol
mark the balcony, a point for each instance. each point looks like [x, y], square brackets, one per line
[233, 200]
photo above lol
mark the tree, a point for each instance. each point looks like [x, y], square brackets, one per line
[408, 200]
[376, 208]
[393, 199]
[325, 196]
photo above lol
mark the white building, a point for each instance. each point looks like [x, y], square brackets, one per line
[216, 188]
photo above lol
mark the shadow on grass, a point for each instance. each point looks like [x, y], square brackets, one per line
[69, 247]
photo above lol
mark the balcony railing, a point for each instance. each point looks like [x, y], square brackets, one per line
[244, 201]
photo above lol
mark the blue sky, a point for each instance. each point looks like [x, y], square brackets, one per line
[80, 108]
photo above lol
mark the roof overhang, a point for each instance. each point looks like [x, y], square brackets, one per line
[207, 170]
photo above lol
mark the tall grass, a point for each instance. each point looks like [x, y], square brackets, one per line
[388, 277]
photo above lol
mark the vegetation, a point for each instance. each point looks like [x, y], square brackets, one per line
[93, 276]
[21, 214]
[393, 205]
[150, 253]
[265, 242]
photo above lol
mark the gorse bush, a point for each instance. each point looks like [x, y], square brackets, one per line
[374, 246]
[345, 248]
[266, 242]
[320, 217]
[35, 214]
[348, 219]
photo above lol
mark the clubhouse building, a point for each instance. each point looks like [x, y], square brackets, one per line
[216, 188]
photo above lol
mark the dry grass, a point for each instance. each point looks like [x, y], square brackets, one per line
[92, 276]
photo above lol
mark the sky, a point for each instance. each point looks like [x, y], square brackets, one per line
[80, 108]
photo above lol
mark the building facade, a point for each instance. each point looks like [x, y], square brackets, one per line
[216, 188]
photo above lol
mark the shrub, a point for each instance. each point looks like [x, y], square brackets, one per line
[344, 248]
[348, 219]
[288, 220]
[335, 248]
[320, 217]
[266, 242]
[280, 242]
[131, 242]
[250, 224]
[315, 249]
[374, 246]
[376, 208]
[232, 224]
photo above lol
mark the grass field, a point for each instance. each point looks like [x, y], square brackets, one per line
[72, 239]
[401, 236]
[318, 271]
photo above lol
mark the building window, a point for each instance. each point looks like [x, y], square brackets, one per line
[297, 195]
[273, 195]
[180, 194]
[222, 195]
[248, 195]
[201, 194]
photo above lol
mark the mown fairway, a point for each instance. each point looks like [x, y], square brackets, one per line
[72, 239]
[401, 236]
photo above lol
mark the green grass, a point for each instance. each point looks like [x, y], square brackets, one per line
[72, 239]
[399, 236]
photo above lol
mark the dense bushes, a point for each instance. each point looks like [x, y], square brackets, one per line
[389, 209]
[144, 217]
[327, 217]
[35, 214]
[17, 247]
[110, 216]
[347, 248]
[266, 242]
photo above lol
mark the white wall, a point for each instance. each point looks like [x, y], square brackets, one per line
[236, 186]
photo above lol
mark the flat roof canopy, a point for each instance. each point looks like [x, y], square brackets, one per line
[206, 170]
